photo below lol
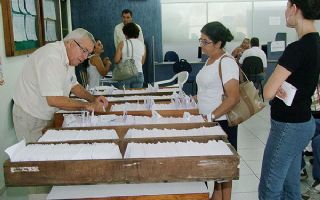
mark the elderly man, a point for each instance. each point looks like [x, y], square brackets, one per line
[118, 33]
[46, 81]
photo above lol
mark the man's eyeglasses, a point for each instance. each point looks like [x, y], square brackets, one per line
[84, 50]
[204, 42]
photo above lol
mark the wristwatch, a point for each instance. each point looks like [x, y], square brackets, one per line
[213, 117]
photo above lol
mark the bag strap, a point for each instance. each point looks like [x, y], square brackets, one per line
[246, 101]
[220, 73]
[128, 48]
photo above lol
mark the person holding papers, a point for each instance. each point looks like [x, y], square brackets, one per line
[46, 81]
[292, 125]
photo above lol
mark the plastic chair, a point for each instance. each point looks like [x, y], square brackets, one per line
[253, 67]
[182, 79]
[171, 56]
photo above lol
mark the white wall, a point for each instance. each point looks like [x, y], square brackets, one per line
[11, 68]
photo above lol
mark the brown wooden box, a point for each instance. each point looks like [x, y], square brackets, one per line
[139, 170]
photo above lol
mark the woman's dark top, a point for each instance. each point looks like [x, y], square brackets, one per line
[302, 59]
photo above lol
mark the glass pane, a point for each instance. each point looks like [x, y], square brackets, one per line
[268, 19]
[181, 24]
[236, 16]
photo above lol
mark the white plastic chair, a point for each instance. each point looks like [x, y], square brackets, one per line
[182, 79]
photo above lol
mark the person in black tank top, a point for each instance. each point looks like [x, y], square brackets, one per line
[292, 127]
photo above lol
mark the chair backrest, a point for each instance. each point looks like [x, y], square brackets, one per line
[182, 79]
[252, 66]
[171, 56]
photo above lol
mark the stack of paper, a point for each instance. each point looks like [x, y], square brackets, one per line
[47, 152]
[150, 133]
[67, 135]
[178, 149]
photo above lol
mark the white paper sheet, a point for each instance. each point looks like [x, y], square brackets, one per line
[13, 150]
[49, 10]
[18, 27]
[46, 152]
[177, 149]
[151, 133]
[31, 27]
[15, 5]
[68, 135]
[51, 33]
[31, 7]
[290, 91]
[277, 46]
[21, 7]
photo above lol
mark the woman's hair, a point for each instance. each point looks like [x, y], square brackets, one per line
[131, 30]
[217, 32]
[310, 8]
[97, 39]
[79, 33]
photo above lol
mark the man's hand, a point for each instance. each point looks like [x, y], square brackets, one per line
[95, 106]
[102, 100]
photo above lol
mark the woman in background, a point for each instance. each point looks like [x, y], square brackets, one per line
[214, 36]
[292, 127]
[237, 52]
[97, 68]
[131, 31]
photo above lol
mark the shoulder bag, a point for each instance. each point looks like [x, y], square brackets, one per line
[250, 102]
[127, 69]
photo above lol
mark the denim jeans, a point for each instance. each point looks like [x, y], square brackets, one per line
[134, 82]
[280, 173]
[316, 152]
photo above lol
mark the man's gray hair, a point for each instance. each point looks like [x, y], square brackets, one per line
[78, 34]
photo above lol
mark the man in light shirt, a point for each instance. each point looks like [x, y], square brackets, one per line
[254, 51]
[45, 82]
[118, 33]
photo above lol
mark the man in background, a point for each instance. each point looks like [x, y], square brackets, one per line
[254, 51]
[118, 33]
[45, 82]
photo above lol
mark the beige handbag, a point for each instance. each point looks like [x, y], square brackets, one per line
[127, 69]
[250, 102]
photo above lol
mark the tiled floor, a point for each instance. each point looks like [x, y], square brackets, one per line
[252, 138]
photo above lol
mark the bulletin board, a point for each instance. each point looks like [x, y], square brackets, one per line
[29, 24]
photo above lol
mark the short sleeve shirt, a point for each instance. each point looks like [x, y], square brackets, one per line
[45, 73]
[209, 84]
[302, 59]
